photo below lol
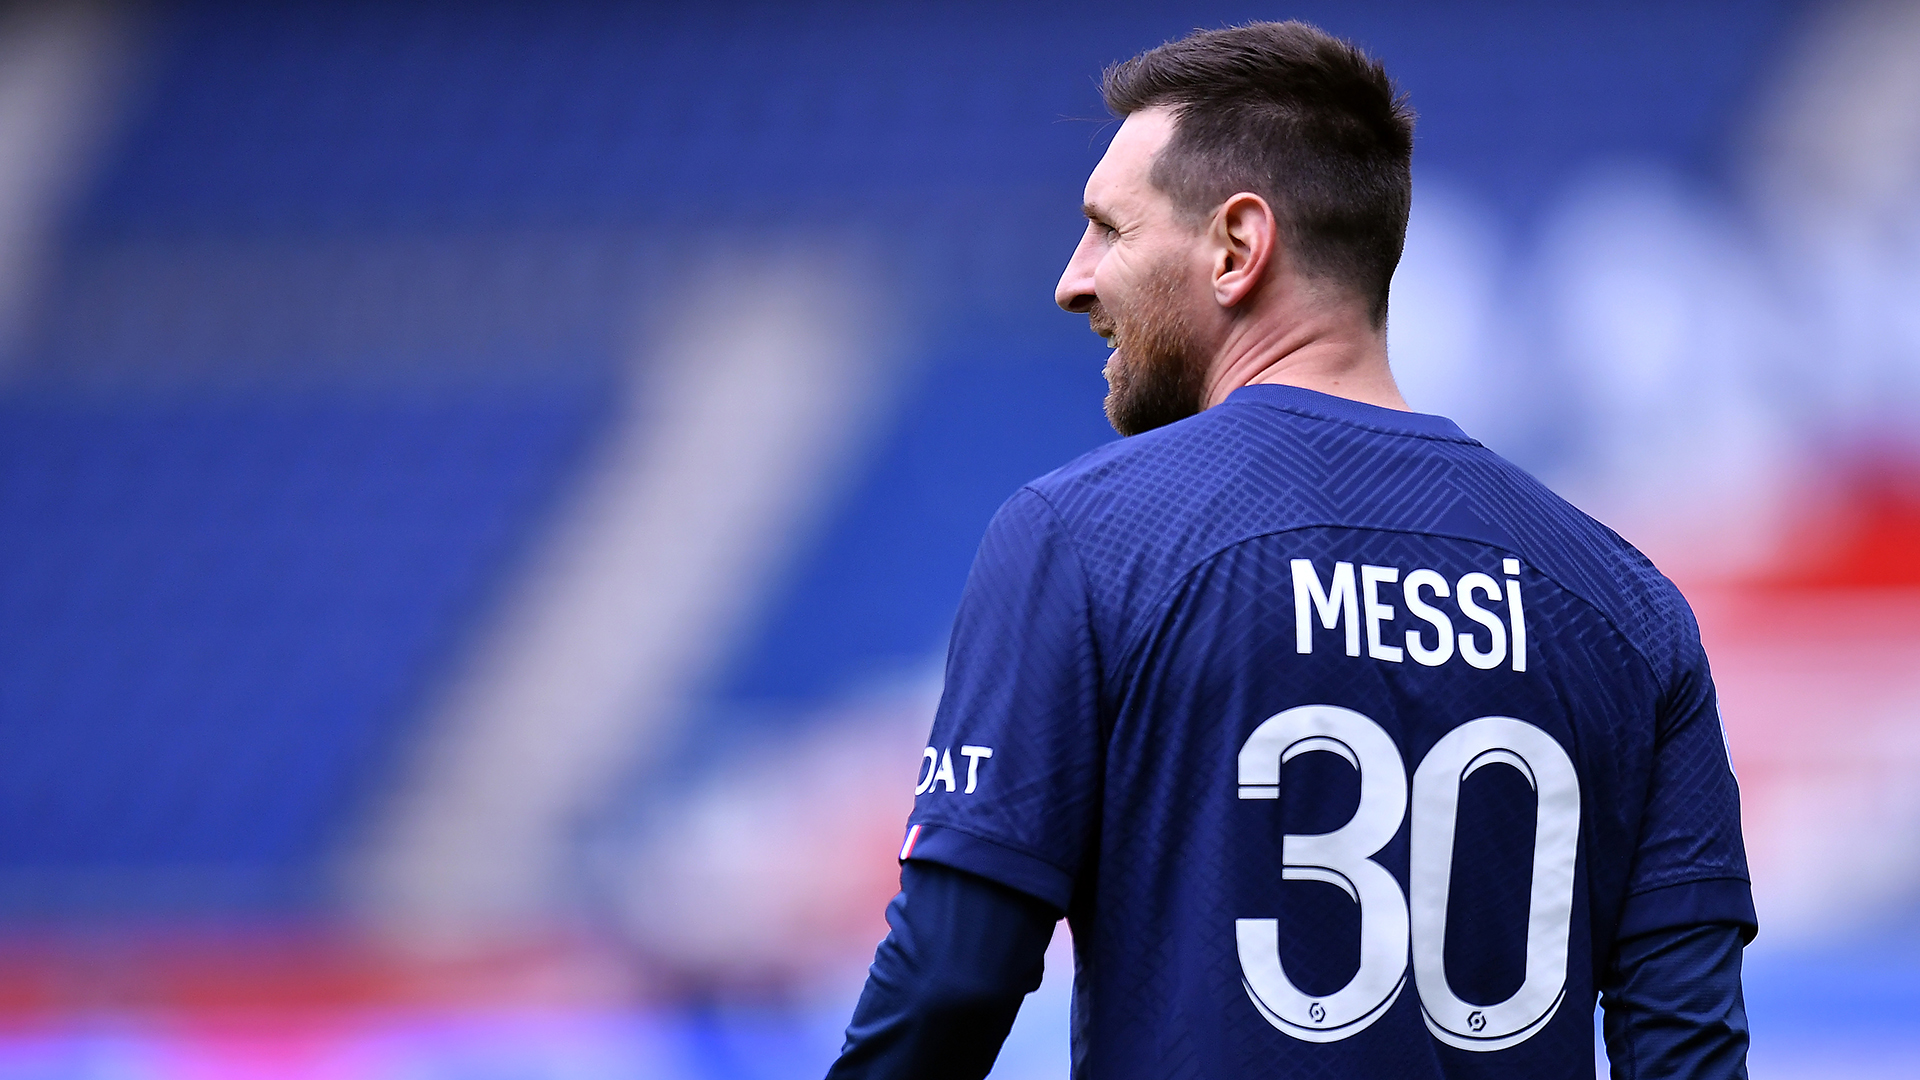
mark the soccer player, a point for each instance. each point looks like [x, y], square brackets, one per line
[1345, 747]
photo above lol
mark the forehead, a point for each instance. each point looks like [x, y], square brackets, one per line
[1120, 180]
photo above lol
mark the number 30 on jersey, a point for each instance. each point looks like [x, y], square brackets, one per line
[1391, 919]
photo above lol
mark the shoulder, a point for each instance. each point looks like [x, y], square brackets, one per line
[1655, 616]
[1165, 471]
[1587, 559]
[1140, 512]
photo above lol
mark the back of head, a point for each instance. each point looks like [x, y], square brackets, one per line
[1302, 119]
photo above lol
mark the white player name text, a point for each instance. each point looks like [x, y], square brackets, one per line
[1352, 601]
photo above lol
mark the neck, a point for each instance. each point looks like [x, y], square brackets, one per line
[1339, 356]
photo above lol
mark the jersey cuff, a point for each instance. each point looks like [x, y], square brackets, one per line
[1691, 903]
[1016, 870]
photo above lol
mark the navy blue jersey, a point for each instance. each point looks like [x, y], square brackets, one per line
[1347, 748]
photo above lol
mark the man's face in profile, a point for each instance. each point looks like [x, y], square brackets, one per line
[1136, 276]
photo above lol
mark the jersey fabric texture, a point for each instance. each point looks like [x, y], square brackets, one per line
[1347, 748]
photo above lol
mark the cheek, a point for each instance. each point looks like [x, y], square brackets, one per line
[1114, 275]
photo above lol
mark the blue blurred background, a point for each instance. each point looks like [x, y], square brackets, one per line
[484, 486]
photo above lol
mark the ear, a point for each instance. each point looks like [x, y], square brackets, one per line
[1244, 236]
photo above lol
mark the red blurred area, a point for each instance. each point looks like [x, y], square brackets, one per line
[1863, 532]
[1817, 663]
[289, 972]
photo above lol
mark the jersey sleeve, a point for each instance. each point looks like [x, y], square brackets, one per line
[960, 954]
[1674, 1005]
[1009, 784]
[1691, 866]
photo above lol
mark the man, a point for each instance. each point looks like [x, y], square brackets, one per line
[1346, 749]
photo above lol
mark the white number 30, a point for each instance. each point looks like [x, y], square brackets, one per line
[1389, 920]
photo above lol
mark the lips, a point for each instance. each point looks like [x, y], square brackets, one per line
[1102, 324]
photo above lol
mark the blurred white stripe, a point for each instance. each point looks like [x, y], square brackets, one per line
[62, 66]
[1837, 169]
[1842, 129]
[740, 420]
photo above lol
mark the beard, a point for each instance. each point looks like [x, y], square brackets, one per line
[1158, 370]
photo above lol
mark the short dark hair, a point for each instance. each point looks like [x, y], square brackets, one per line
[1304, 120]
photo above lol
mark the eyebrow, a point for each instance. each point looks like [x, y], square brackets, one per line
[1095, 213]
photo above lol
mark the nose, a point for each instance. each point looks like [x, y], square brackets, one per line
[1075, 291]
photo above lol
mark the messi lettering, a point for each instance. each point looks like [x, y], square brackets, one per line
[1346, 601]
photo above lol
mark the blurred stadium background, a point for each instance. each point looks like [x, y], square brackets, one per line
[483, 486]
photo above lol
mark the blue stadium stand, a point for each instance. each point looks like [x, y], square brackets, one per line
[217, 619]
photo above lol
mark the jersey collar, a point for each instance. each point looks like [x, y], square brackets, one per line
[1297, 399]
